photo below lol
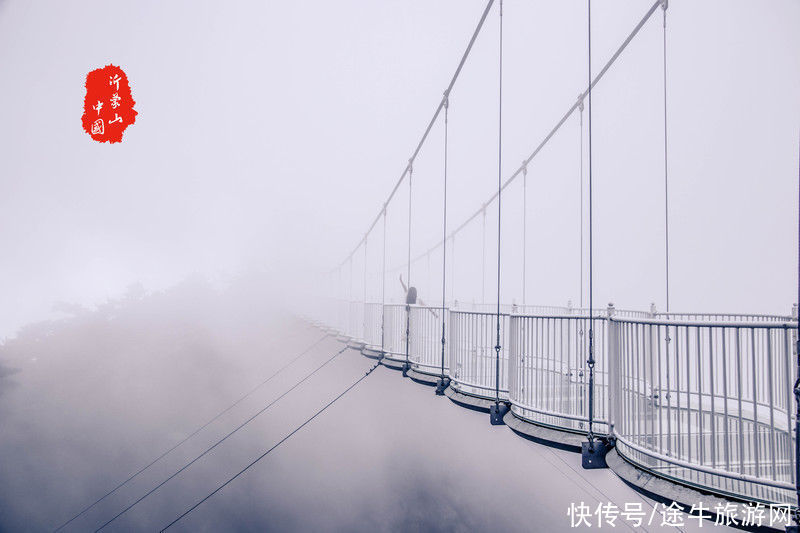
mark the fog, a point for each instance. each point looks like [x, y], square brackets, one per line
[102, 394]
[148, 284]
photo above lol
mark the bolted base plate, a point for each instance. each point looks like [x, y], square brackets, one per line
[441, 385]
[593, 455]
[406, 368]
[496, 414]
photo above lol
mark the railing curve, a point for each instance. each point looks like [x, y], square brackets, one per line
[707, 403]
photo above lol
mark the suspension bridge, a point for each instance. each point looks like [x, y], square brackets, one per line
[693, 403]
[686, 406]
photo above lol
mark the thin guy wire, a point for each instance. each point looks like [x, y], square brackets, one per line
[192, 434]
[284, 439]
[220, 441]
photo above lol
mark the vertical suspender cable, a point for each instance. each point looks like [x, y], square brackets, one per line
[666, 175]
[499, 208]
[348, 330]
[666, 187]
[580, 108]
[408, 259]
[453, 270]
[383, 287]
[483, 260]
[428, 286]
[444, 231]
[524, 233]
[438, 110]
[340, 299]
[590, 362]
[797, 355]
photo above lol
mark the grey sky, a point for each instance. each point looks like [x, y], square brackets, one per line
[269, 134]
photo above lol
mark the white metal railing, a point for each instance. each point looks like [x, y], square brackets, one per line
[723, 317]
[425, 344]
[341, 314]
[704, 399]
[707, 403]
[372, 326]
[548, 374]
[394, 331]
[472, 337]
[355, 321]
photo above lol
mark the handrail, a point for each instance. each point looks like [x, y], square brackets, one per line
[703, 323]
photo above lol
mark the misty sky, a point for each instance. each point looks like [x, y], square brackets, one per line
[269, 133]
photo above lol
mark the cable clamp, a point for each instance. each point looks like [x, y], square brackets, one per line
[580, 102]
[524, 168]
[664, 4]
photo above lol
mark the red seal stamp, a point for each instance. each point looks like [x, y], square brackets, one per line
[108, 105]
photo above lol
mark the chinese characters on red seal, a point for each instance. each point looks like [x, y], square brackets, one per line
[108, 105]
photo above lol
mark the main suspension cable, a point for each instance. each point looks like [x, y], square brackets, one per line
[442, 106]
[192, 434]
[284, 439]
[220, 441]
[557, 127]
